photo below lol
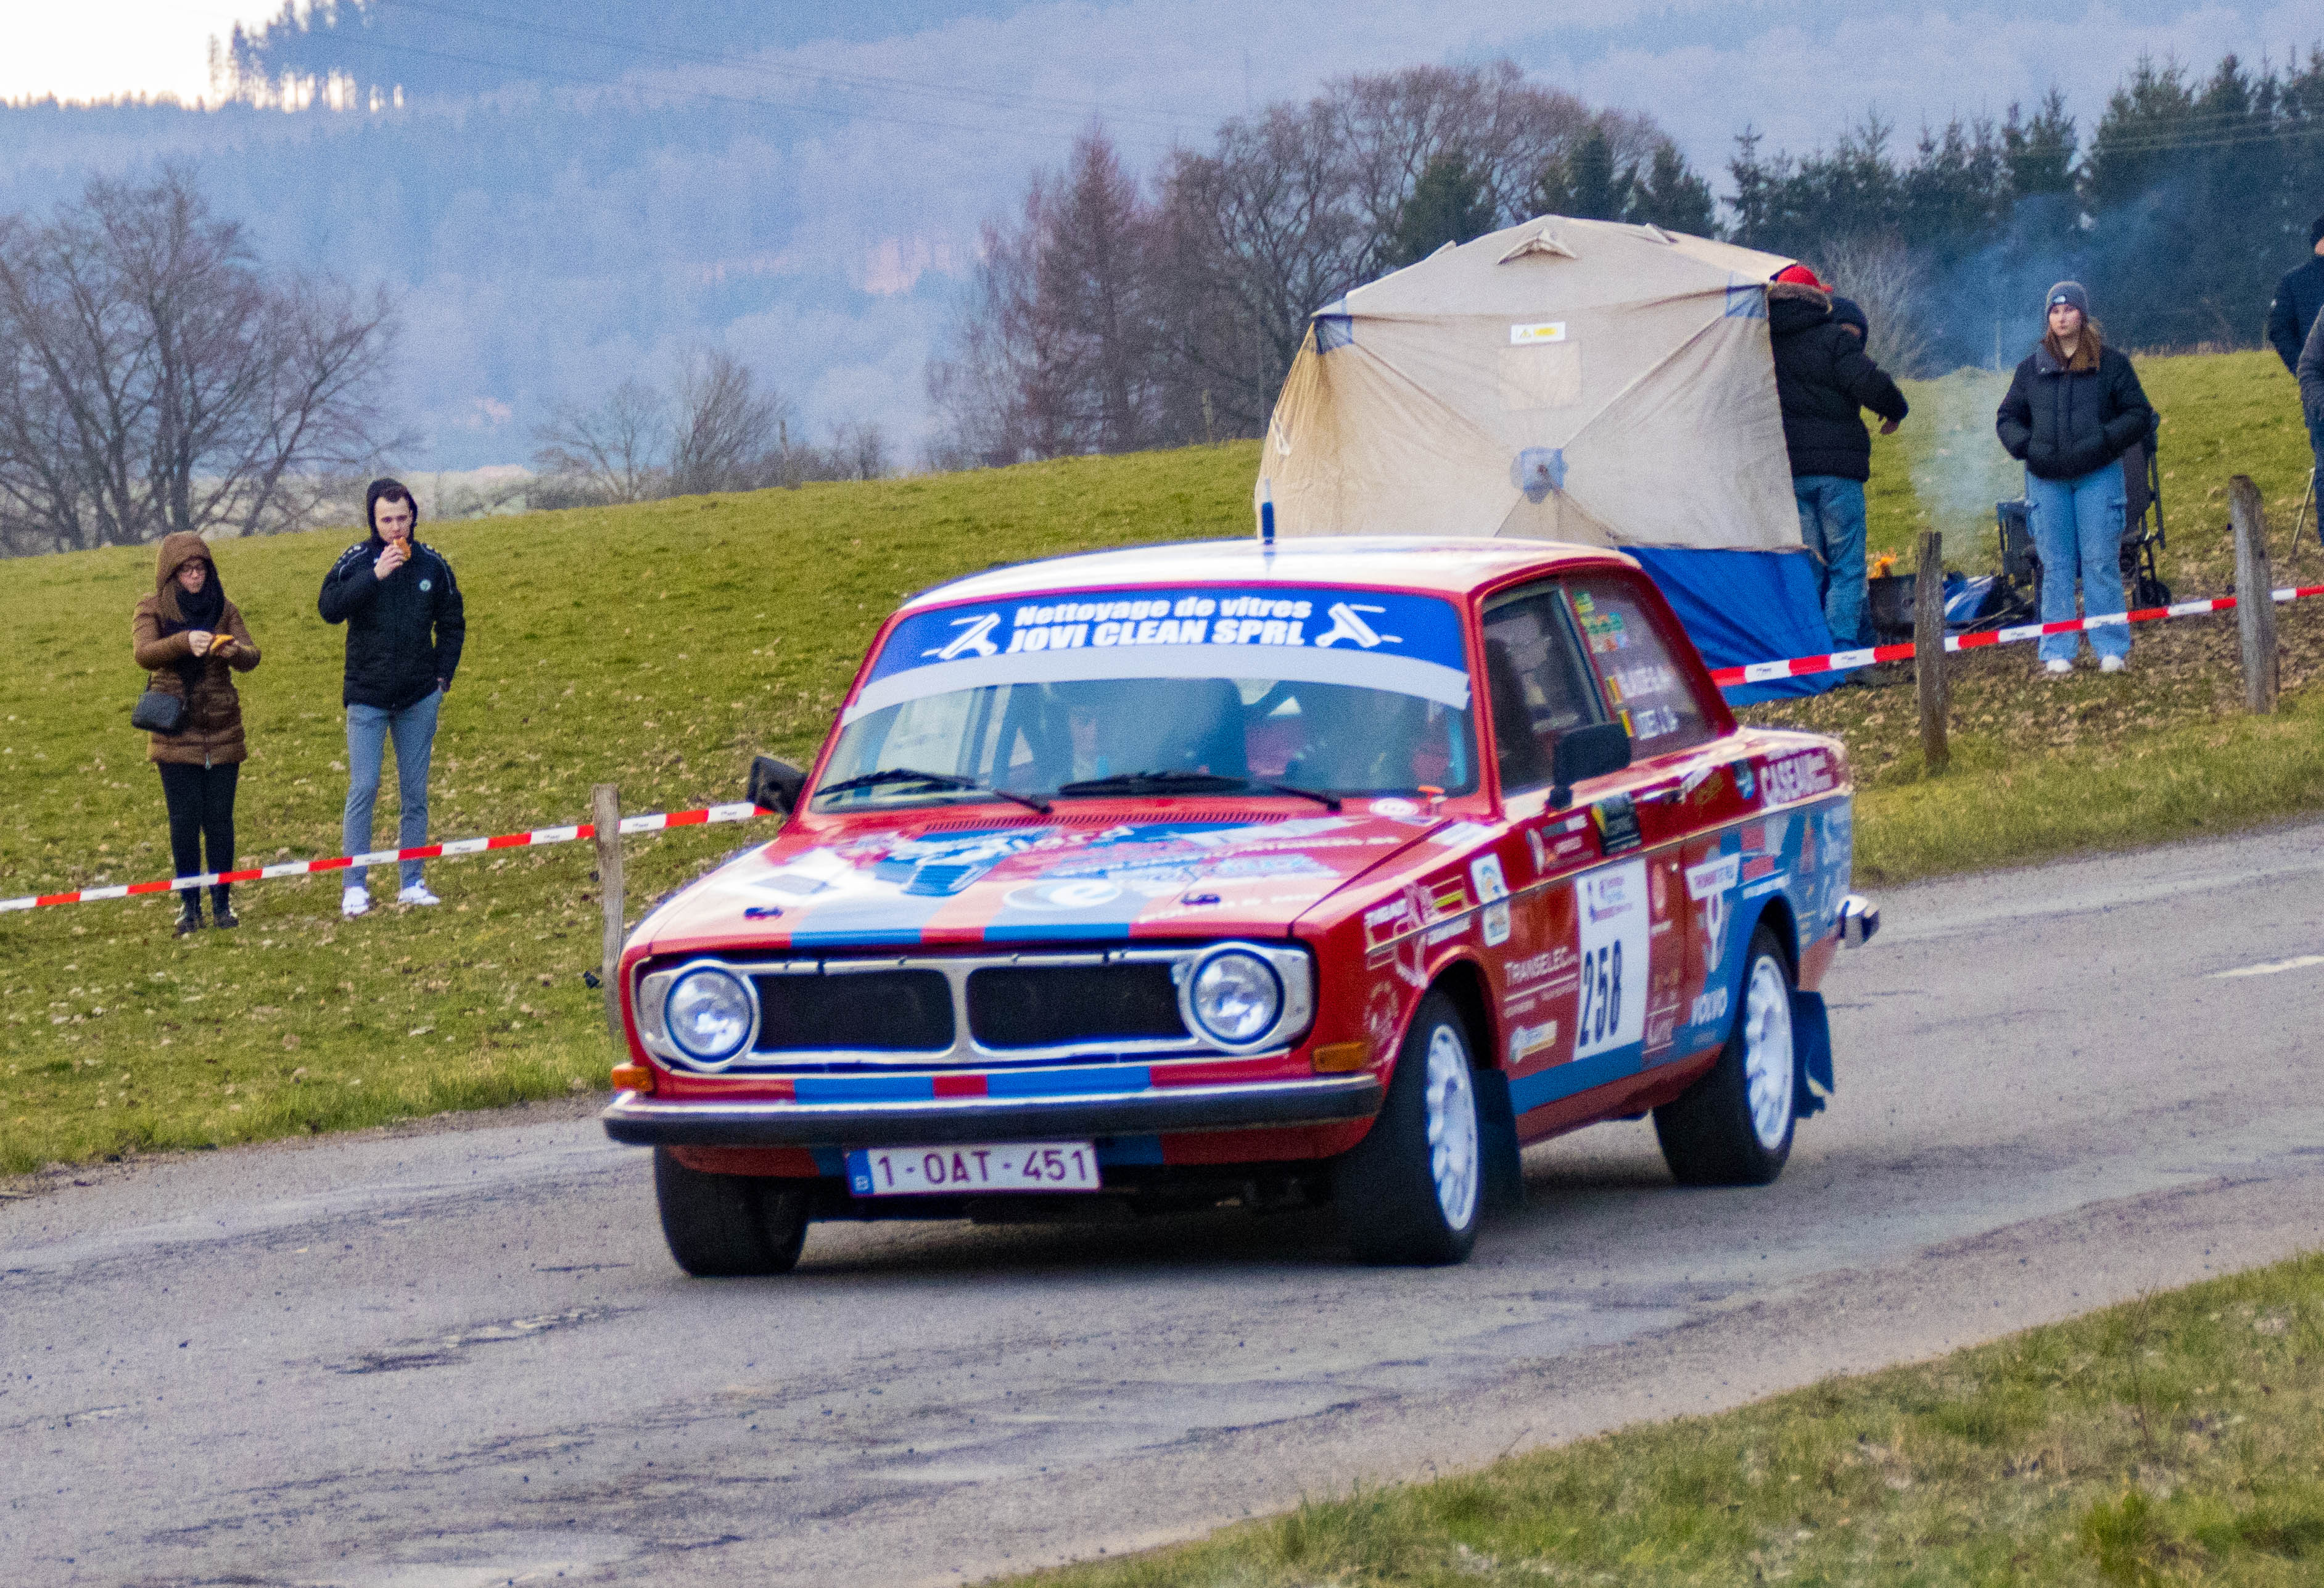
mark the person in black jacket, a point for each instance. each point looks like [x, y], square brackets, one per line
[2074, 407]
[1824, 380]
[405, 627]
[2299, 305]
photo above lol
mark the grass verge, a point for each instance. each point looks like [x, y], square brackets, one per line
[2172, 1440]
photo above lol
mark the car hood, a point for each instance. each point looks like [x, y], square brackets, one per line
[1073, 880]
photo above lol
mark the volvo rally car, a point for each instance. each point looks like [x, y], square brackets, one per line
[1221, 873]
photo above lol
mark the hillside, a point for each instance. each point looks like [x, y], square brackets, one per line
[658, 646]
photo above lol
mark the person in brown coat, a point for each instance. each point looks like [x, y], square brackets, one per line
[193, 641]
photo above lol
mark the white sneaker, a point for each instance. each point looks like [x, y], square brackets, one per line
[2056, 669]
[354, 901]
[2113, 664]
[417, 893]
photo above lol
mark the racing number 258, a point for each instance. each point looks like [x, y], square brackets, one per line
[1601, 994]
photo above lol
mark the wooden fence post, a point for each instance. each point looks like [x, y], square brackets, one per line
[605, 816]
[2255, 595]
[1929, 650]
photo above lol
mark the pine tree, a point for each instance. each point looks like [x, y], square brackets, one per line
[1447, 204]
[1673, 198]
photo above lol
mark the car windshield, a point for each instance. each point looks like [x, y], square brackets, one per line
[1329, 692]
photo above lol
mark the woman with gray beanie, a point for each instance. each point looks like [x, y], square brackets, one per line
[2075, 408]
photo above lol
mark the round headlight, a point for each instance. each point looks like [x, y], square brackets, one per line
[1237, 997]
[708, 1015]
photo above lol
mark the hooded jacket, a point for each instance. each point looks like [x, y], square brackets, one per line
[2064, 423]
[212, 735]
[404, 633]
[1823, 381]
[2311, 373]
[2299, 304]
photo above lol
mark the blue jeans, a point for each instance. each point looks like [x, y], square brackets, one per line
[1831, 525]
[2078, 526]
[2316, 445]
[368, 730]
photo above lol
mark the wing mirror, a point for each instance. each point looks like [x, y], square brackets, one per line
[774, 784]
[1586, 752]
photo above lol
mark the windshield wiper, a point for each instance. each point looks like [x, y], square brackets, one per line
[1188, 782]
[905, 774]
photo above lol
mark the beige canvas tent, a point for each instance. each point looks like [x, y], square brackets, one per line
[1567, 380]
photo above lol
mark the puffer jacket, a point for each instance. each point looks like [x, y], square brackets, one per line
[1823, 381]
[212, 735]
[2062, 424]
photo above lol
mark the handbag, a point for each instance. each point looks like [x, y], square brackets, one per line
[158, 711]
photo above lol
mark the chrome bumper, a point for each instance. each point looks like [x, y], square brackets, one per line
[643, 1121]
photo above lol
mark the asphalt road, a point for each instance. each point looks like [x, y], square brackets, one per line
[462, 1358]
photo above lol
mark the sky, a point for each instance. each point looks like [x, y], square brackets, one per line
[895, 126]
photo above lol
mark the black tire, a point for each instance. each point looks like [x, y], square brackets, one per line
[720, 1226]
[1708, 1133]
[1385, 1187]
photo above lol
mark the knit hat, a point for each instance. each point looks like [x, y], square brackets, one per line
[2068, 292]
[1801, 275]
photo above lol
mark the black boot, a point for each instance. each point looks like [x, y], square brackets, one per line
[190, 919]
[221, 913]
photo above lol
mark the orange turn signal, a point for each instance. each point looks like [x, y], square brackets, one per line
[1332, 1057]
[632, 1077]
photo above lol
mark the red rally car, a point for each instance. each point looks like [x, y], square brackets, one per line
[1185, 876]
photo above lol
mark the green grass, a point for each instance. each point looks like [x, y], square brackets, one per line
[2178, 1439]
[658, 647]
[655, 647]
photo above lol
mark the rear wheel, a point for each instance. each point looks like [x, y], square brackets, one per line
[1733, 1127]
[1409, 1192]
[724, 1226]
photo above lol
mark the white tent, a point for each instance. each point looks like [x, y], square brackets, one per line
[1569, 380]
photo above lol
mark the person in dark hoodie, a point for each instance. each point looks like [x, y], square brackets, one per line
[2074, 409]
[2298, 309]
[1823, 381]
[2310, 372]
[405, 628]
[193, 641]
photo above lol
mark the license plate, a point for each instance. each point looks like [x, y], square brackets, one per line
[1017, 1166]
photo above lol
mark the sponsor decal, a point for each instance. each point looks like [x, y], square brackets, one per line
[1493, 890]
[1445, 934]
[1757, 867]
[1519, 971]
[1709, 885]
[1764, 885]
[1803, 776]
[1525, 1041]
[1460, 833]
[1568, 846]
[1712, 877]
[1079, 893]
[1395, 809]
[1661, 1029]
[1709, 1008]
[1744, 782]
[1447, 896]
[1382, 922]
[1533, 846]
[1616, 819]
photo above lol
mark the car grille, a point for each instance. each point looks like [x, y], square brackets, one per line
[1049, 1006]
[873, 1012]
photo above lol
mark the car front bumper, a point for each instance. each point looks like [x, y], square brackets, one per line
[642, 1120]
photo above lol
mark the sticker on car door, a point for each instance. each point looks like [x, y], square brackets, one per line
[1614, 930]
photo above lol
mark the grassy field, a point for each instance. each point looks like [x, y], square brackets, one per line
[2179, 1439]
[658, 647]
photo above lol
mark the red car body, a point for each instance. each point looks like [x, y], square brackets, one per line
[1590, 937]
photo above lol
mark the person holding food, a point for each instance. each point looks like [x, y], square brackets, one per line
[193, 641]
[406, 625]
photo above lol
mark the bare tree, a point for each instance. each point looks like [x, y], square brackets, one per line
[1888, 282]
[858, 450]
[725, 435]
[156, 379]
[607, 454]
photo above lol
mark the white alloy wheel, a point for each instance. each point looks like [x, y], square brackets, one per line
[1451, 1115]
[1769, 1065]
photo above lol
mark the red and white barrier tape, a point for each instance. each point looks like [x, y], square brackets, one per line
[1759, 672]
[654, 823]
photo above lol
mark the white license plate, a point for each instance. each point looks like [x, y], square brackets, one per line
[938, 1171]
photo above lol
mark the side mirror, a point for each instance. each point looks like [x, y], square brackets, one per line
[774, 784]
[1586, 752]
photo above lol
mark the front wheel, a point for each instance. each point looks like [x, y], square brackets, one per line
[1733, 1127]
[1409, 1191]
[721, 1226]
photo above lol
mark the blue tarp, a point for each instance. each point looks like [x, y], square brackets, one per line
[1745, 606]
